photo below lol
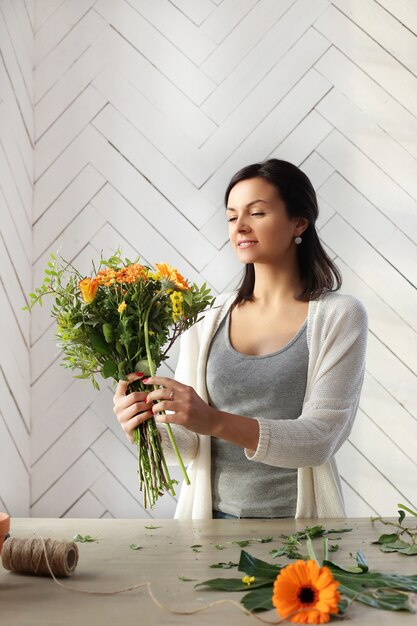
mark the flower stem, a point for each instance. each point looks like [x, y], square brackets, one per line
[168, 426]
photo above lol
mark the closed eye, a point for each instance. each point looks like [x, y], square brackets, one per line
[232, 219]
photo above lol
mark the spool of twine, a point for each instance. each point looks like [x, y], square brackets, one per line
[27, 556]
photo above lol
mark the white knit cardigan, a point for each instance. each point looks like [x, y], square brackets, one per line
[336, 339]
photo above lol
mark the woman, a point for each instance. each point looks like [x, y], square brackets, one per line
[267, 386]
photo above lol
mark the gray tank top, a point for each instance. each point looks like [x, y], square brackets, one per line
[271, 386]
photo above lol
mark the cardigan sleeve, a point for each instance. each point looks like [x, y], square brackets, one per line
[329, 411]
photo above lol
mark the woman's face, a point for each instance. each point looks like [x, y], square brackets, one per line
[257, 215]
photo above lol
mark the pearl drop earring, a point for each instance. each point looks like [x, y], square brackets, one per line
[298, 240]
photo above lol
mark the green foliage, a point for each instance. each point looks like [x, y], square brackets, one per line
[97, 339]
[394, 542]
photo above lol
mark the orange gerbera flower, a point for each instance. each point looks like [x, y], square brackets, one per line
[88, 289]
[305, 593]
[131, 273]
[163, 270]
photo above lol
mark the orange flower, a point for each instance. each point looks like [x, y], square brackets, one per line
[88, 289]
[131, 273]
[106, 277]
[163, 270]
[306, 594]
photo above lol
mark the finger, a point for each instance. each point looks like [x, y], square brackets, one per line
[161, 380]
[130, 425]
[164, 405]
[122, 385]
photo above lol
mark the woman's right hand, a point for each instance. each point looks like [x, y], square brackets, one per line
[131, 409]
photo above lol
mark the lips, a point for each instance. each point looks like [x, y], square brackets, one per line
[246, 243]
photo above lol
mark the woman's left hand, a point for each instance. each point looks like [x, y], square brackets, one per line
[189, 410]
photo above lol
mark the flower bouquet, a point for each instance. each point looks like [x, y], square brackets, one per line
[124, 319]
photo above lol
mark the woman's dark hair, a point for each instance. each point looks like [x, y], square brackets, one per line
[317, 270]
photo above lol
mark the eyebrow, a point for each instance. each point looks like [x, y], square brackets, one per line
[248, 205]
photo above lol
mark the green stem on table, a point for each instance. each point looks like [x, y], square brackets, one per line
[325, 548]
[168, 426]
[310, 551]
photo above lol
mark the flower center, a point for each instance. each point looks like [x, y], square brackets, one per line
[306, 595]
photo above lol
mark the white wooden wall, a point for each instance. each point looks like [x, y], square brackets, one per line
[142, 112]
[16, 183]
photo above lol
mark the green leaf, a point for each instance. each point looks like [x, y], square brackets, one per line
[108, 332]
[243, 543]
[84, 538]
[258, 599]
[233, 584]
[401, 516]
[265, 539]
[196, 545]
[152, 527]
[185, 579]
[98, 343]
[255, 567]
[386, 538]
[228, 565]
[219, 546]
[143, 366]
[110, 369]
[135, 546]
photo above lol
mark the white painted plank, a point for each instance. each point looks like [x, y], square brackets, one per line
[16, 424]
[70, 487]
[21, 38]
[390, 416]
[223, 268]
[14, 477]
[215, 229]
[73, 443]
[12, 202]
[303, 139]
[255, 68]
[65, 209]
[274, 127]
[383, 28]
[161, 93]
[175, 185]
[377, 229]
[384, 321]
[370, 57]
[116, 499]
[53, 29]
[317, 169]
[173, 25]
[48, 426]
[372, 268]
[151, 123]
[69, 49]
[246, 35]
[399, 469]
[362, 131]
[384, 109]
[10, 329]
[158, 50]
[397, 379]
[355, 505]
[195, 11]
[62, 132]
[368, 179]
[15, 294]
[225, 18]
[43, 353]
[44, 10]
[86, 507]
[366, 480]
[147, 236]
[404, 11]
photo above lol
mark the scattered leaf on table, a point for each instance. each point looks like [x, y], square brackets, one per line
[196, 550]
[135, 546]
[152, 527]
[265, 539]
[219, 546]
[243, 543]
[196, 545]
[185, 579]
[333, 547]
[228, 565]
[84, 538]
[234, 584]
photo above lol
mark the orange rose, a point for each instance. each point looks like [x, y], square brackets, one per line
[88, 289]
[163, 270]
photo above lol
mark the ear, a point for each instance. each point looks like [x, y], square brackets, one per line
[301, 224]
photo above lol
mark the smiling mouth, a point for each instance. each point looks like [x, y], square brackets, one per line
[246, 244]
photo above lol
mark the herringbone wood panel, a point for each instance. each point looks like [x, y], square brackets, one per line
[142, 113]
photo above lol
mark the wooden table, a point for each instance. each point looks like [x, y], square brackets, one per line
[110, 564]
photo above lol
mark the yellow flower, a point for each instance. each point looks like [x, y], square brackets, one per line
[177, 299]
[88, 289]
[248, 580]
[306, 594]
[122, 306]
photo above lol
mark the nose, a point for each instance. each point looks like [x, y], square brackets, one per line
[241, 223]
